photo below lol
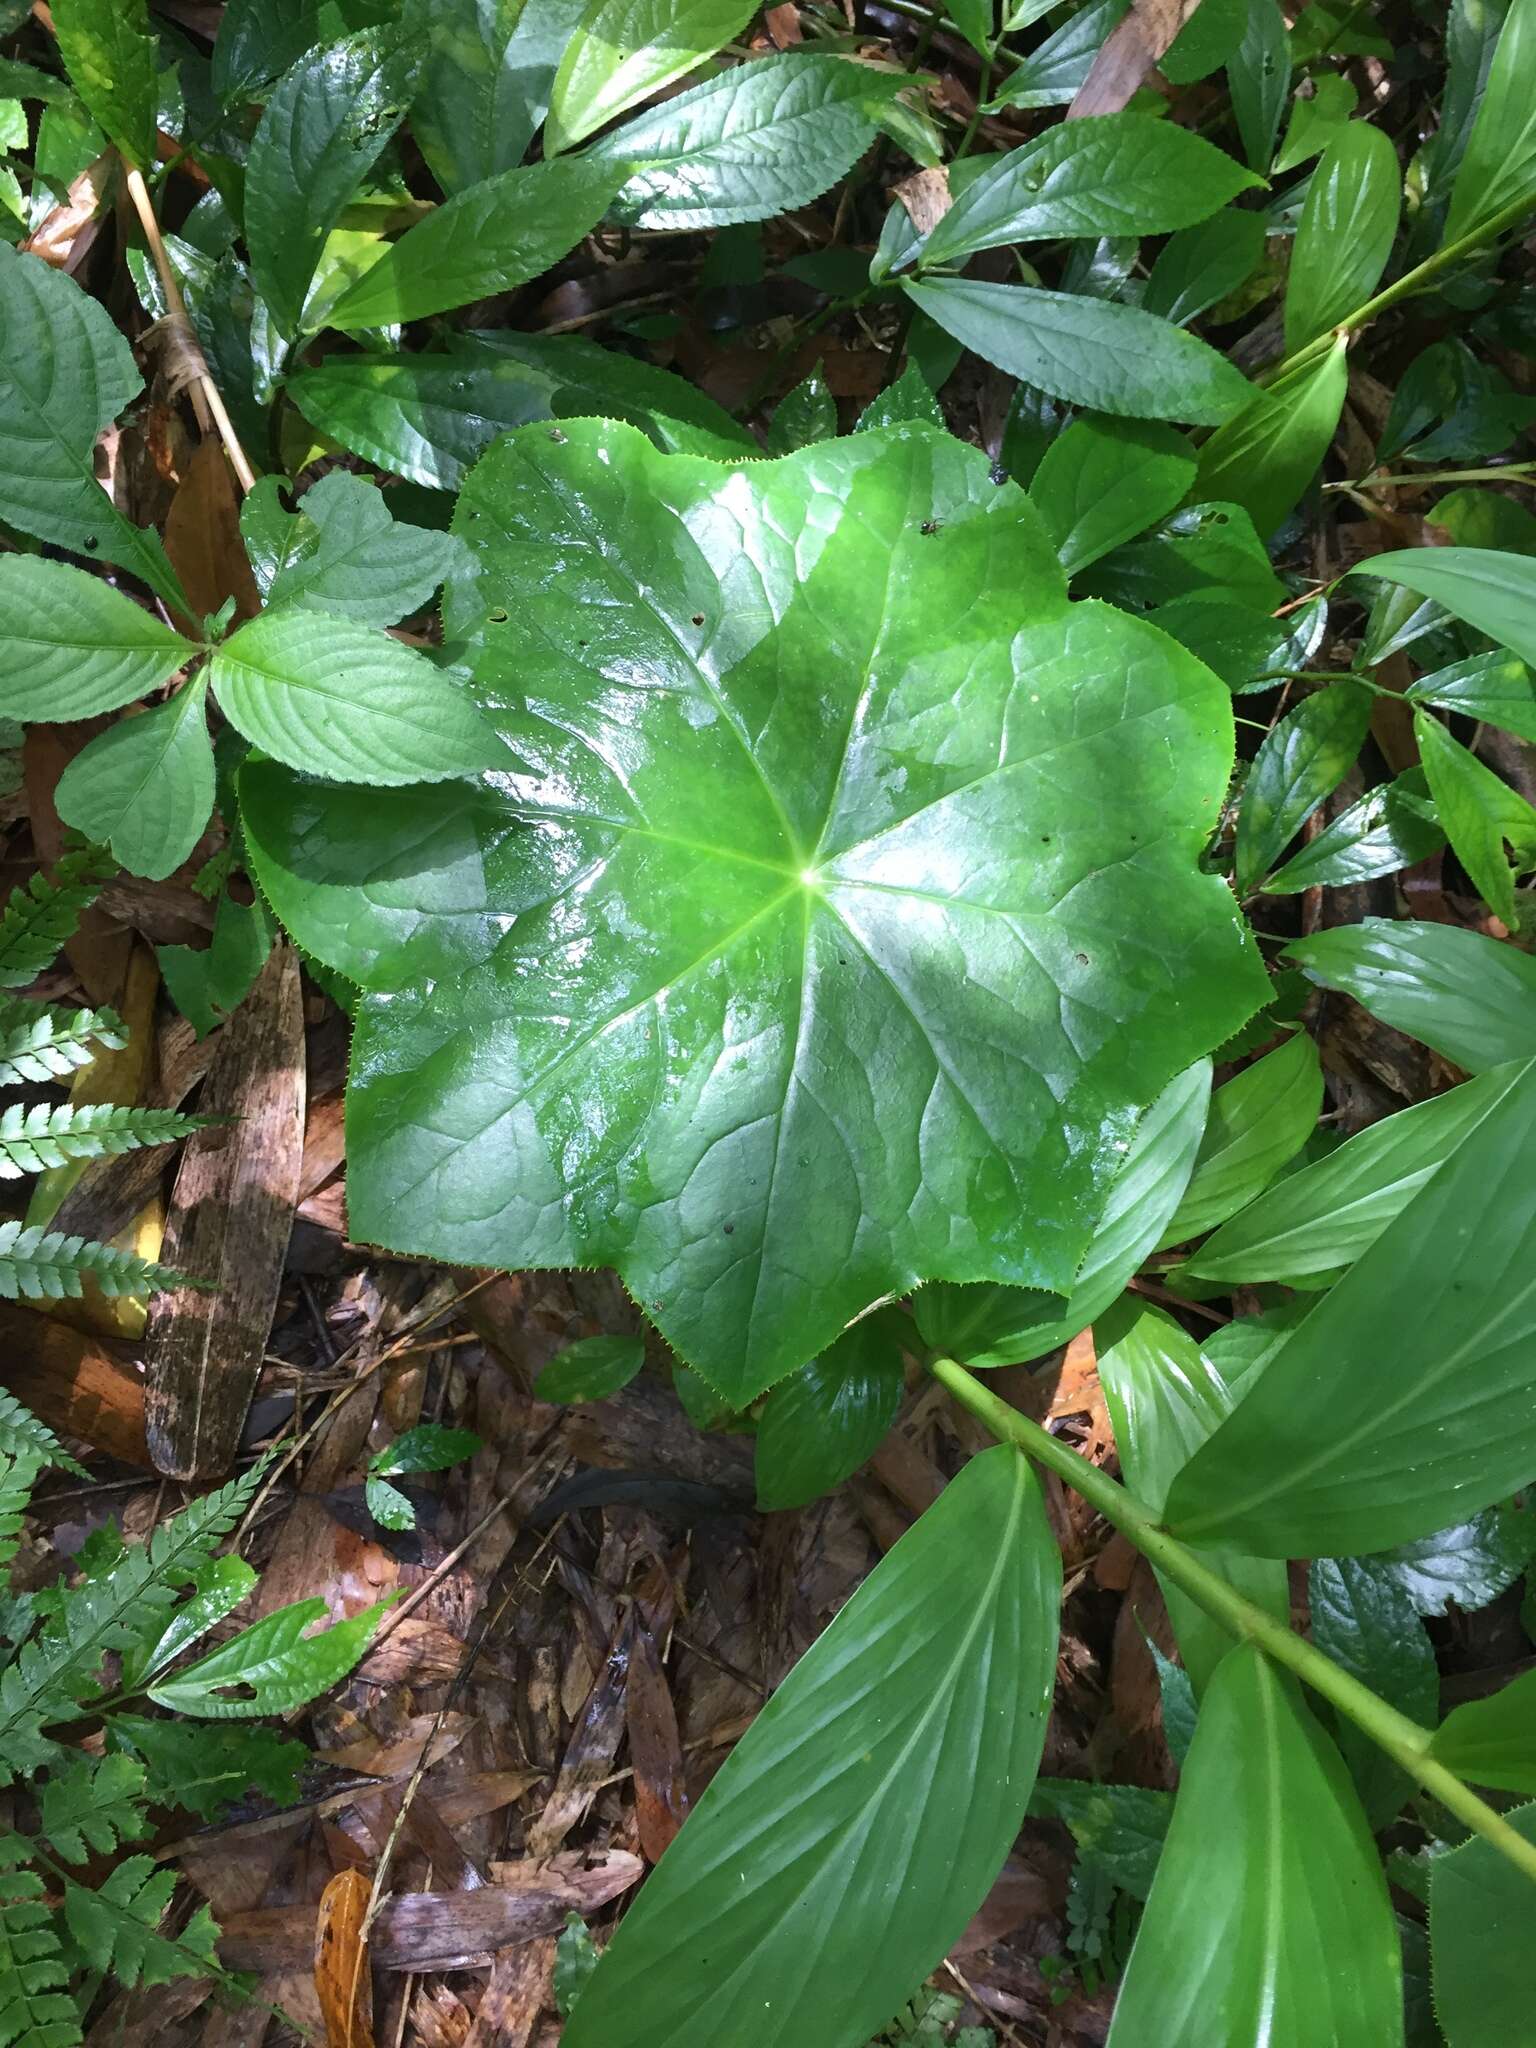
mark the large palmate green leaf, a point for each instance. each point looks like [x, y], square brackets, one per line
[833, 836]
[322, 131]
[1468, 996]
[1479, 1931]
[486, 239]
[1434, 1417]
[1091, 352]
[989, 1325]
[74, 646]
[860, 1822]
[1110, 174]
[65, 373]
[756, 141]
[1269, 1924]
[1164, 1401]
[623, 50]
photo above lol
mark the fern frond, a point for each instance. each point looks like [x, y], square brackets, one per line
[40, 917]
[51, 1679]
[39, 1043]
[20, 1431]
[52, 1134]
[117, 1927]
[18, 1475]
[46, 1266]
[94, 1803]
[36, 2010]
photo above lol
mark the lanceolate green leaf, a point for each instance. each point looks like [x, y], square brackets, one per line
[623, 50]
[1265, 458]
[1091, 352]
[1344, 236]
[759, 140]
[1200, 265]
[335, 699]
[760, 840]
[1467, 996]
[144, 787]
[74, 645]
[1269, 1920]
[1435, 1416]
[1484, 1967]
[1259, 78]
[1499, 166]
[823, 1421]
[65, 373]
[1110, 174]
[1301, 762]
[485, 81]
[1492, 591]
[1493, 1741]
[1301, 1232]
[1480, 812]
[486, 239]
[1102, 482]
[1258, 1122]
[1390, 827]
[1492, 687]
[271, 1667]
[990, 1326]
[1164, 1401]
[913, 1728]
[1052, 72]
[322, 131]
[109, 54]
[1364, 1619]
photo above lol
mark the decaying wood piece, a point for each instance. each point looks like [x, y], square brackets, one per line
[231, 1214]
[1133, 48]
[82, 1386]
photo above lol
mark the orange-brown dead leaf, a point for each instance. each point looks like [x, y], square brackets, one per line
[343, 1981]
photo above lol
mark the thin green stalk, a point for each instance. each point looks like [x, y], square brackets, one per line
[1410, 282]
[1503, 473]
[1403, 1740]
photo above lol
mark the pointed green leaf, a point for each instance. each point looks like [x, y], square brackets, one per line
[428, 1447]
[759, 140]
[257, 40]
[1200, 265]
[1316, 120]
[1467, 1565]
[1055, 69]
[145, 785]
[824, 1420]
[207, 984]
[1302, 1231]
[341, 551]
[1345, 233]
[1479, 1929]
[1164, 1401]
[1498, 169]
[624, 50]
[74, 645]
[1259, 80]
[1468, 996]
[109, 53]
[271, 1667]
[485, 82]
[1265, 458]
[337, 699]
[1109, 174]
[590, 1370]
[65, 373]
[1494, 592]
[323, 130]
[1091, 352]
[1259, 1121]
[1480, 812]
[218, 1588]
[1438, 1322]
[738, 881]
[1364, 1619]
[1269, 1920]
[987, 1326]
[1493, 1741]
[1302, 761]
[1104, 481]
[1391, 827]
[773, 1921]
[485, 240]
[805, 415]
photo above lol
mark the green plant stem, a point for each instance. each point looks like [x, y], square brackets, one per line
[1407, 285]
[1403, 1740]
[1505, 473]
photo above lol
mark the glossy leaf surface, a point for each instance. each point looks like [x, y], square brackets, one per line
[1364, 1619]
[591, 1369]
[1492, 591]
[271, 1667]
[1201, 264]
[1435, 1417]
[341, 551]
[109, 53]
[913, 1730]
[1303, 760]
[623, 50]
[1259, 1121]
[823, 1421]
[1493, 687]
[1091, 352]
[1344, 236]
[1467, 996]
[1102, 482]
[485, 82]
[1269, 1924]
[75, 646]
[1264, 459]
[1480, 812]
[1391, 827]
[771, 799]
[1498, 168]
